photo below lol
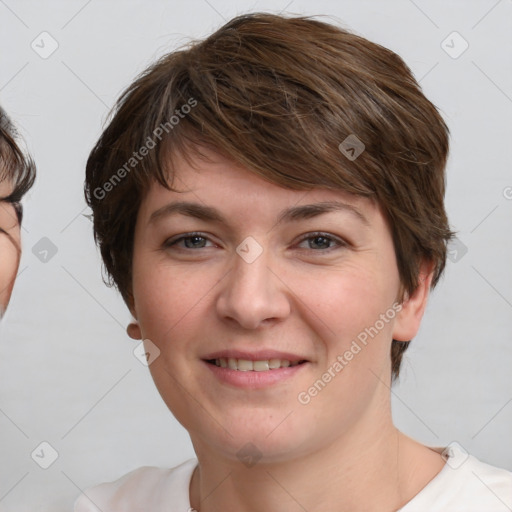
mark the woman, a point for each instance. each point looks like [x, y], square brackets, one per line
[270, 204]
[17, 173]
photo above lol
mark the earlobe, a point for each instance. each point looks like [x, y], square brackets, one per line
[409, 318]
[133, 330]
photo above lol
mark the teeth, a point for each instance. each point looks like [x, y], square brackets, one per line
[261, 366]
[245, 365]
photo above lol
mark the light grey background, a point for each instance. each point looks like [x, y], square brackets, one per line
[67, 372]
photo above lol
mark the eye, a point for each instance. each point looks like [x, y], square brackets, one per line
[321, 242]
[190, 241]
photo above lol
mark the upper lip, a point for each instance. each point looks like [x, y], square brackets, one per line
[260, 355]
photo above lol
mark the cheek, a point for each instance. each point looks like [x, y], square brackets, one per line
[347, 310]
[8, 267]
[170, 299]
[354, 342]
[348, 300]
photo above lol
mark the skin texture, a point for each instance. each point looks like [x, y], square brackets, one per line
[310, 297]
[9, 247]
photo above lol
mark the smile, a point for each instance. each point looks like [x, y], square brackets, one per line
[254, 374]
[246, 365]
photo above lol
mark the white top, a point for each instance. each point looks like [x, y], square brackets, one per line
[464, 485]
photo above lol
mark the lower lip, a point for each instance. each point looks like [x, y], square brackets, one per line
[252, 379]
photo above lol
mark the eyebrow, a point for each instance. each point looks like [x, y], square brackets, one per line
[293, 214]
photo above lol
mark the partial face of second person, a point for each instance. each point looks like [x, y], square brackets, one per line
[9, 246]
[319, 281]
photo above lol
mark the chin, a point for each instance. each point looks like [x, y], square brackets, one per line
[268, 440]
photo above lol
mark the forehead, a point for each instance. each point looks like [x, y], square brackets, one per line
[214, 178]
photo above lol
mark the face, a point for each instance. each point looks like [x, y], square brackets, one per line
[9, 246]
[235, 271]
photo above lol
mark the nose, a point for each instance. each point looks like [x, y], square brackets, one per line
[252, 294]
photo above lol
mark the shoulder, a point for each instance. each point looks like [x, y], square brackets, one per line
[147, 489]
[491, 483]
[465, 484]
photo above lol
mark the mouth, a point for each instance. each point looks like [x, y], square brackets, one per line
[252, 370]
[249, 365]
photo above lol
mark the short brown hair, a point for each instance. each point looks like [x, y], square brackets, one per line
[279, 95]
[15, 166]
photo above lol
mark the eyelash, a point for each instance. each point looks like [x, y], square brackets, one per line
[310, 236]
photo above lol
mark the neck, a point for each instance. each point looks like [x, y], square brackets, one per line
[372, 468]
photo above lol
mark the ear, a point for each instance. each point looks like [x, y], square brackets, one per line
[408, 320]
[133, 330]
